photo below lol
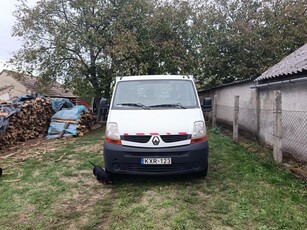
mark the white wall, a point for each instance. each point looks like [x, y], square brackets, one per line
[247, 104]
[18, 90]
[4, 96]
[294, 113]
[294, 118]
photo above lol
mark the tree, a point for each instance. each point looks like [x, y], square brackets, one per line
[152, 38]
[86, 43]
[240, 39]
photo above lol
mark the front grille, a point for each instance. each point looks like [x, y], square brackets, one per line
[174, 138]
[156, 154]
[159, 168]
[135, 138]
[146, 138]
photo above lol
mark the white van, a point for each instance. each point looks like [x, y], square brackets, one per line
[155, 126]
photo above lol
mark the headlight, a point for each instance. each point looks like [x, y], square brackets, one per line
[199, 132]
[112, 133]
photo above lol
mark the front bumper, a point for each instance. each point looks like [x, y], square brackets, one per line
[127, 160]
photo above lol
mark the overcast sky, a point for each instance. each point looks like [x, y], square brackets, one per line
[8, 44]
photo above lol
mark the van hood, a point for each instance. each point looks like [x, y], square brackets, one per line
[155, 122]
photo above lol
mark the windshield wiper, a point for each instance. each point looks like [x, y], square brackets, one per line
[178, 105]
[135, 105]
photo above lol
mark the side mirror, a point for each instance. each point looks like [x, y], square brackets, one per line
[103, 110]
[103, 102]
[207, 104]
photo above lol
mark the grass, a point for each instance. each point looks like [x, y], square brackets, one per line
[243, 190]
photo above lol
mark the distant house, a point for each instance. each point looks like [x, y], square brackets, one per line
[13, 85]
[5, 92]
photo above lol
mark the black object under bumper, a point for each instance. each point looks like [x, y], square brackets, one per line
[127, 160]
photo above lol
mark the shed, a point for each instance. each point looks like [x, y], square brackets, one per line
[289, 76]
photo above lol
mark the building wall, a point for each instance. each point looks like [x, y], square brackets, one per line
[4, 96]
[259, 122]
[18, 90]
[294, 118]
[247, 104]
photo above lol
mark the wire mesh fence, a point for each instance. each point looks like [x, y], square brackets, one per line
[266, 124]
[261, 123]
[224, 113]
[294, 133]
[248, 119]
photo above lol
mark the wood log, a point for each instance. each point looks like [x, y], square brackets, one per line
[3, 114]
[32, 121]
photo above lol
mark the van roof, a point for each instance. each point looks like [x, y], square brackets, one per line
[154, 77]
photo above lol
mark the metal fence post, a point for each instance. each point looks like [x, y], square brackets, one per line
[214, 112]
[277, 112]
[235, 130]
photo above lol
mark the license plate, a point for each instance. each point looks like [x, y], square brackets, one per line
[156, 161]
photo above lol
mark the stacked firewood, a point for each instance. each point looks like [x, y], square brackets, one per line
[31, 122]
[86, 122]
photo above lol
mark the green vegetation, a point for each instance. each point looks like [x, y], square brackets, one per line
[87, 43]
[57, 190]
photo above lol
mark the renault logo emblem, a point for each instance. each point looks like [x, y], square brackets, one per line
[155, 140]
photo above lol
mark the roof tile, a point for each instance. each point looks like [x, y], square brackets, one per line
[294, 63]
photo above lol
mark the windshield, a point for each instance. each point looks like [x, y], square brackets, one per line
[155, 94]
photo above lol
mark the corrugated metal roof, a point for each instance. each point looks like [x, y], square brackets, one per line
[294, 63]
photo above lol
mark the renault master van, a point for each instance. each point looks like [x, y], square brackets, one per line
[155, 126]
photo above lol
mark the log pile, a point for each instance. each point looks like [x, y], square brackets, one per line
[31, 122]
[86, 122]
